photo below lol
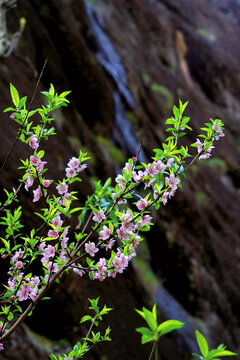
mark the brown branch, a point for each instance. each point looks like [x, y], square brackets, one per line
[26, 117]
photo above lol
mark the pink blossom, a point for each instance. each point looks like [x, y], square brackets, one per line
[134, 158]
[64, 242]
[120, 262]
[126, 217]
[81, 167]
[218, 130]
[46, 183]
[120, 181]
[42, 246]
[91, 248]
[207, 153]
[199, 145]
[33, 142]
[17, 255]
[127, 167]
[29, 182]
[159, 166]
[12, 116]
[112, 273]
[127, 225]
[41, 166]
[110, 244]
[150, 170]
[1, 347]
[205, 156]
[52, 267]
[78, 270]
[172, 181]
[70, 172]
[23, 293]
[98, 276]
[49, 251]
[62, 188]
[57, 222]
[73, 163]
[140, 176]
[99, 216]
[53, 234]
[142, 204]
[33, 294]
[34, 281]
[66, 196]
[11, 284]
[146, 220]
[37, 194]
[19, 264]
[63, 256]
[165, 197]
[171, 193]
[149, 183]
[101, 265]
[122, 233]
[35, 160]
[105, 233]
[169, 162]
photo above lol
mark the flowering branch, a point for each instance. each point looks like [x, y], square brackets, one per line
[116, 225]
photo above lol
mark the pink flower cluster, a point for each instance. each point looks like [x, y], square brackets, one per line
[29, 286]
[146, 176]
[33, 142]
[117, 265]
[99, 216]
[74, 167]
[206, 152]
[28, 289]
[62, 190]
[91, 248]
[217, 130]
[39, 165]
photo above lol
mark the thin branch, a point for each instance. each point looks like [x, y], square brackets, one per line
[26, 117]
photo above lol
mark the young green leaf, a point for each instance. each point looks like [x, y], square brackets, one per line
[168, 326]
[202, 343]
[14, 95]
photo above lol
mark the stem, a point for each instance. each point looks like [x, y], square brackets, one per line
[33, 304]
[151, 353]
[26, 117]
[90, 329]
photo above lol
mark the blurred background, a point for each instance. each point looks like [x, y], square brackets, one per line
[127, 62]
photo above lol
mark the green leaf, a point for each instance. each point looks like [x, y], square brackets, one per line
[85, 318]
[202, 343]
[14, 95]
[9, 109]
[219, 353]
[176, 112]
[168, 326]
[149, 317]
[145, 331]
[6, 243]
[146, 339]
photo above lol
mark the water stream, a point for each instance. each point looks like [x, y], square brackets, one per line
[106, 55]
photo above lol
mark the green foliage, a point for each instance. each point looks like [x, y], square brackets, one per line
[92, 338]
[162, 90]
[154, 331]
[212, 354]
[114, 152]
[206, 34]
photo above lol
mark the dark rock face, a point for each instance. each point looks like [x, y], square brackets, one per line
[161, 51]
